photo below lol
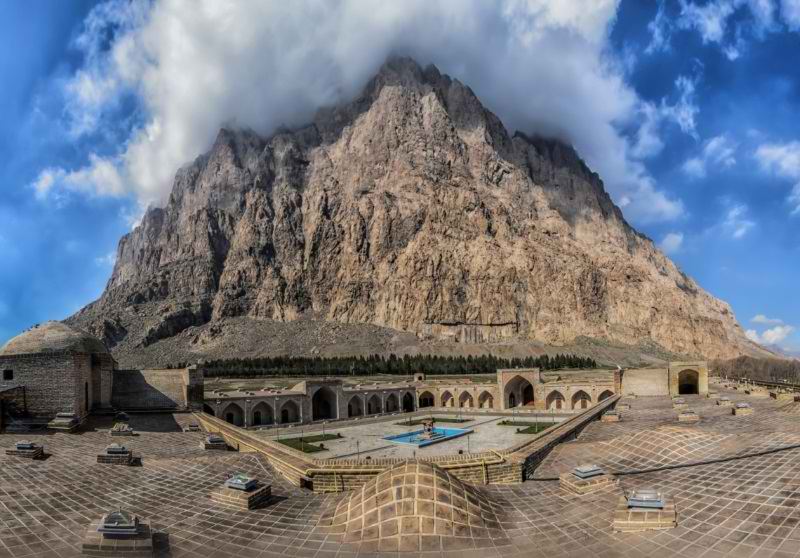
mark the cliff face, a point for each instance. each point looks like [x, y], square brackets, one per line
[410, 208]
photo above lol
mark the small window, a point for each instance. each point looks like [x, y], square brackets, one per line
[8, 375]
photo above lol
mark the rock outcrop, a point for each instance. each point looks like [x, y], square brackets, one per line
[410, 208]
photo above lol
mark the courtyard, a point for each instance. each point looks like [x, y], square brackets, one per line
[367, 438]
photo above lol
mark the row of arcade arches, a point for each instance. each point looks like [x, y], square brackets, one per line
[324, 407]
[261, 414]
[465, 400]
[580, 400]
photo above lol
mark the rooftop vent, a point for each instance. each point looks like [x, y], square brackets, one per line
[646, 498]
[25, 445]
[240, 481]
[587, 471]
[119, 523]
[116, 449]
[215, 439]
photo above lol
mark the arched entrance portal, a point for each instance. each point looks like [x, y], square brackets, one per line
[518, 391]
[465, 400]
[207, 409]
[486, 401]
[408, 403]
[323, 404]
[605, 395]
[688, 382]
[391, 403]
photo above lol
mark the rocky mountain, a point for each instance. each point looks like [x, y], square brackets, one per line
[411, 210]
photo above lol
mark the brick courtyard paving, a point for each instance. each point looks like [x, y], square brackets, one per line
[743, 507]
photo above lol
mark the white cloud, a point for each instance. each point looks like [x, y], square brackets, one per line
[542, 66]
[682, 112]
[671, 243]
[771, 336]
[736, 222]
[710, 19]
[762, 319]
[790, 11]
[783, 159]
[101, 177]
[713, 21]
[718, 152]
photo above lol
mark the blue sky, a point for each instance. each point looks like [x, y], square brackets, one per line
[688, 109]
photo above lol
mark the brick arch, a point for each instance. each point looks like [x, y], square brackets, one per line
[355, 407]
[233, 413]
[426, 399]
[290, 412]
[261, 414]
[447, 399]
[555, 400]
[323, 404]
[466, 400]
[605, 395]
[581, 400]
[486, 400]
[391, 405]
[374, 406]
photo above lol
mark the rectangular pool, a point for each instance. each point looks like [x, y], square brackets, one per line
[416, 437]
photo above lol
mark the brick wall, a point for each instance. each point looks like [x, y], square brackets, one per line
[50, 380]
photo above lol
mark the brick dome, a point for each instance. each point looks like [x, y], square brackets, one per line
[53, 337]
[411, 503]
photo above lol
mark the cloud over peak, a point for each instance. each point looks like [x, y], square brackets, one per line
[542, 66]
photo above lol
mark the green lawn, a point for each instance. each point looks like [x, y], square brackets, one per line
[307, 444]
[418, 421]
[524, 427]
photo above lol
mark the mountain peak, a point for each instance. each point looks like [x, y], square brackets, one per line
[410, 208]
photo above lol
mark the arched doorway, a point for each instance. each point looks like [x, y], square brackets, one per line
[581, 400]
[233, 414]
[465, 400]
[391, 403]
[355, 408]
[485, 400]
[207, 409]
[262, 414]
[518, 391]
[374, 404]
[555, 401]
[688, 382]
[323, 404]
[447, 399]
[290, 412]
[605, 395]
[408, 402]
[426, 399]
[527, 395]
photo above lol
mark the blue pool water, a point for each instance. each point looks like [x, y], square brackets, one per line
[415, 438]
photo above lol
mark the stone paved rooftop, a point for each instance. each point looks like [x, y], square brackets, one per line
[748, 506]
